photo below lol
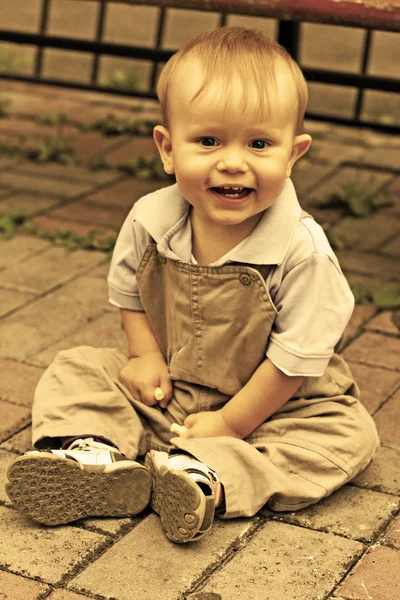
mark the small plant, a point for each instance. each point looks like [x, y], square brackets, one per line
[11, 222]
[4, 106]
[387, 297]
[53, 120]
[112, 125]
[94, 240]
[53, 149]
[13, 61]
[355, 199]
[124, 79]
[336, 241]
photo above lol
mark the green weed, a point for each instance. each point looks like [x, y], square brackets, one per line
[112, 125]
[53, 149]
[124, 79]
[355, 199]
[387, 297]
[11, 222]
[4, 106]
[94, 240]
[12, 60]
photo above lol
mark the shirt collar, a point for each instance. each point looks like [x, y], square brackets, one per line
[165, 216]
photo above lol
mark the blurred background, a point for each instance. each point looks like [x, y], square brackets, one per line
[321, 47]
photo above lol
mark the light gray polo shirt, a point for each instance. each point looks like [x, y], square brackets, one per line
[308, 289]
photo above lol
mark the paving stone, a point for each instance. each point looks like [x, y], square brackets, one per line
[46, 223]
[30, 128]
[107, 526]
[364, 350]
[394, 207]
[50, 318]
[363, 178]
[383, 473]
[19, 443]
[375, 384]
[94, 214]
[19, 385]
[7, 161]
[66, 595]
[20, 248]
[136, 146]
[12, 299]
[14, 587]
[370, 233]
[42, 273]
[45, 553]
[361, 314]
[383, 323]
[387, 420]
[12, 419]
[389, 160]
[68, 172]
[103, 332]
[29, 203]
[32, 104]
[181, 565]
[91, 144]
[391, 537]
[377, 576]
[372, 282]
[124, 193]
[333, 152]
[5, 459]
[28, 183]
[283, 561]
[385, 268]
[352, 512]
[307, 174]
[392, 248]
[394, 186]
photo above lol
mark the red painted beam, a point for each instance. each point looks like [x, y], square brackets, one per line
[373, 14]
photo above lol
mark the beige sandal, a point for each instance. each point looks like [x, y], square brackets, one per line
[185, 495]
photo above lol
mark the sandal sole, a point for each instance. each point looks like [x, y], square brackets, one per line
[177, 499]
[54, 490]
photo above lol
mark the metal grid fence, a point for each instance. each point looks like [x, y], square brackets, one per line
[289, 35]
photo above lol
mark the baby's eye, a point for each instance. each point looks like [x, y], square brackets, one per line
[260, 144]
[207, 141]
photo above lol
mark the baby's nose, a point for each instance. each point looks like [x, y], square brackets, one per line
[232, 161]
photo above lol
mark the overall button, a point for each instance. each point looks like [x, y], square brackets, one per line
[245, 279]
[162, 258]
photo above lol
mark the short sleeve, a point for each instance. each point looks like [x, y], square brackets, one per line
[314, 304]
[129, 249]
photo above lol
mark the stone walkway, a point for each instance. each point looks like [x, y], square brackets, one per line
[346, 547]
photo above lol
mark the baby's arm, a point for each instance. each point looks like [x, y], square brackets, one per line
[146, 369]
[266, 391]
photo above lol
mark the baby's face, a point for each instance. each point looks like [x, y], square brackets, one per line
[208, 148]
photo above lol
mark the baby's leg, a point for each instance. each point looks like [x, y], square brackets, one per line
[86, 479]
[88, 435]
[293, 460]
[80, 395]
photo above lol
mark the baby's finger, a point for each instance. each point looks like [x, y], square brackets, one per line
[166, 388]
[190, 421]
[147, 396]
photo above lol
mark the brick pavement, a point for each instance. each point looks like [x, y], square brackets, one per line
[347, 547]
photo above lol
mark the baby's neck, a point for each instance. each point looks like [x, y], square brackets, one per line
[211, 241]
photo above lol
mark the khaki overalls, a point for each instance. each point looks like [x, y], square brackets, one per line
[212, 325]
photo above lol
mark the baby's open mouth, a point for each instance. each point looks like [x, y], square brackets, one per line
[233, 192]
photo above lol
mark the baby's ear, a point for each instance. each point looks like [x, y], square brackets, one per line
[301, 144]
[162, 139]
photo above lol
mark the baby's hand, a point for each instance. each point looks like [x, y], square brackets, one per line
[143, 375]
[208, 424]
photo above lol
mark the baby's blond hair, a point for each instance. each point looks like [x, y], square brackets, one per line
[240, 50]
